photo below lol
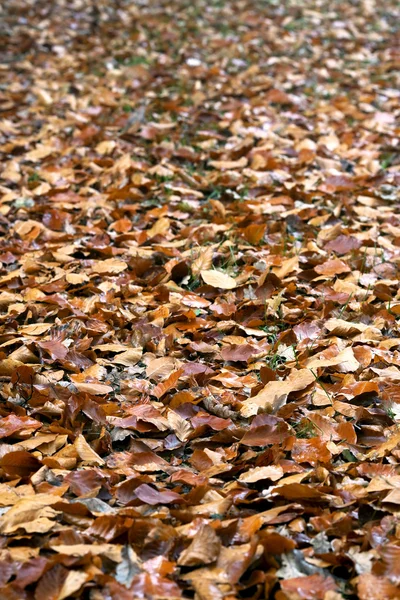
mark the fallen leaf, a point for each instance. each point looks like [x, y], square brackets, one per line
[110, 265]
[345, 361]
[33, 514]
[218, 279]
[203, 550]
[275, 393]
[86, 453]
[259, 473]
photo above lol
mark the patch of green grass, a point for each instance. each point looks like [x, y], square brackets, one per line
[274, 360]
[33, 177]
[163, 178]
[193, 283]
[347, 455]
[387, 159]
[133, 60]
[305, 429]
[390, 413]
[185, 207]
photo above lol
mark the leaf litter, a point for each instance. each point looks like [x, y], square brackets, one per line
[199, 303]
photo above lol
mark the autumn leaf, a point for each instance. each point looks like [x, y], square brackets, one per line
[12, 424]
[203, 262]
[110, 265]
[275, 393]
[259, 473]
[85, 452]
[165, 386]
[199, 301]
[204, 548]
[32, 514]
[218, 279]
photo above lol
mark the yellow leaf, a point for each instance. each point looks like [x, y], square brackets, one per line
[32, 514]
[128, 358]
[258, 473]
[218, 279]
[76, 278]
[179, 425]
[112, 551]
[97, 389]
[289, 265]
[160, 227]
[203, 261]
[12, 172]
[110, 265]
[8, 366]
[35, 328]
[73, 582]
[41, 151]
[225, 165]
[342, 328]
[105, 147]
[86, 453]
[345, 361]
[203, 550]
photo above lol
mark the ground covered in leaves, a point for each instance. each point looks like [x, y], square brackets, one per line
[199, 293]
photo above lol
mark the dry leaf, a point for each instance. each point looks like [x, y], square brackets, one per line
[259, 473]
[32, 514]
[180, 426]
[97, 389]
[110, 265]
[275, 393]
[203, 550]
[218, 279]
[203, 262]
[85, 452]
[345, 361]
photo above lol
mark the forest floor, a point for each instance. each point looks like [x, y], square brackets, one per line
[200, 306]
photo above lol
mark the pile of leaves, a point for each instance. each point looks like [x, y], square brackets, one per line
[199, 300]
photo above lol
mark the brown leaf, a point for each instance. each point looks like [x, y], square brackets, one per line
[86, 453]
[203, 550]
[311, 587]
[33, 514]
[332, 267]
[151, 496]
[203, 262]
[23, 426]
[19, 464]
[313, 451]
[274, 394]
[59, 583]
[165, 386]
[218, 279]
[374, 587]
